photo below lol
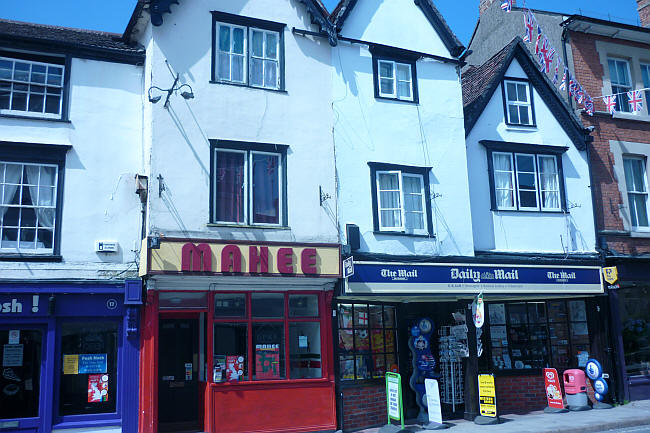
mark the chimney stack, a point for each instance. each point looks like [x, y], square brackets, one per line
[485, 4]
[643, 6]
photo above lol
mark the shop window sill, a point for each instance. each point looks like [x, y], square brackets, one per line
[630, 116]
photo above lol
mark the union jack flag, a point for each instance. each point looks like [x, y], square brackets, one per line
[506, 5]
[528, 23]
[610, 102]
[556, 76]
[538, 44]
[563, 83]
[635, 100]
[589, 106]
[549, 54]
[580, 94]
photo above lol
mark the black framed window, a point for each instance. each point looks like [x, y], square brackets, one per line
[394, 76]
[31, 182]
[525, 177]
[33, 85]
[400, 196]
[535, 335]
[247, 51]
[248, 184]
[518, 103]
[367, 337]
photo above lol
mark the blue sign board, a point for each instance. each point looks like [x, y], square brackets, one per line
[92, 363]
[434, 278]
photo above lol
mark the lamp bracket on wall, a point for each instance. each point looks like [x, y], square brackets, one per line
[323, 195]
[175, 88]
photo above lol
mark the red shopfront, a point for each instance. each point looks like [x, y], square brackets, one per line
[238, 352]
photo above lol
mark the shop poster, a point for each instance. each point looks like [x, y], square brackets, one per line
[267, 361]
[394, 398]
[553, 389]
[12, 355]
[14, 336]
[97, 388]
[487, 396]
[433, 400]
[70, 364]
[93, 363]
[234, 367]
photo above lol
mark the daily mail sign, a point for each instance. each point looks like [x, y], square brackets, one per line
[402, 278]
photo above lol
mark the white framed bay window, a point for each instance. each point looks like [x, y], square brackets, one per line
[248, 184]
[400, 200]
[526, 181]
[247, 51]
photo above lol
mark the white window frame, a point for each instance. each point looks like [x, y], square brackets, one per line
[512, 180]
[247, 187]
[263, 58]
[645, 180]
[535, 176]
[620, 106]
[230, 53]
[395, 80]
[518, 103]
[402, 228]
[646, 84]
[34, 251]
[539, 181]
[45, 85]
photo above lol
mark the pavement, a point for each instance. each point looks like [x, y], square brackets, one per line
[636, 413]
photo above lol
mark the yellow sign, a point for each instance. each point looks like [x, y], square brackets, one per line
[610, 274]
[70, 364]
[487, 396]
[218, 257]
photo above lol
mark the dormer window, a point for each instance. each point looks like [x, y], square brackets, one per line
[517, 101]
[394, 76]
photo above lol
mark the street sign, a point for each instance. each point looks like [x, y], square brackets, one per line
[394, 397]
[553, 389]
[433, 400]
[487, 396]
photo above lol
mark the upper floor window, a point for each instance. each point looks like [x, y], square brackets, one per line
[394, 75]
[522, 181]
[400, 199]
[637, 191]
[32, 88]
[645, 75]
[619, 72]
[518, 105]
[248, 184]
[30, 190]
[247, 51]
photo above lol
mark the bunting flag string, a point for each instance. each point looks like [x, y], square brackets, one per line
[546, 55]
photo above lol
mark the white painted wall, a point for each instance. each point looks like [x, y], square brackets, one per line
[395, 23]
[177, 137]
[529, 231]
[99, 201]
[430, 133]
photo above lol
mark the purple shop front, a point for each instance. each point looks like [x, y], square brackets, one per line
[69, 356]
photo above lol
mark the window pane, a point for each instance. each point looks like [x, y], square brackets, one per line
[522, 93]
[266, 188]
[36, 102]
[524, 118]
[5, 95]
[557, 311]
[238, 40]
[257, 72]
[38, 73]
[389, 316]
[526, 163]
[230, 352]
[613, 73]
[385, 70]
[230, 305]
[360, 316]
[376, 316]
[577, 311]
[268, 344]
[403, 72]
[19, 100]
[537, 312]
[267, 305]
[53, 103]
[229, 181]
[21, 374]
[403, 90]
[390, 218]
[386, 86]
[361, 340]
[237, 68]
[92, 387]
[528, 199]
[270, 73]
[414, 221]
[526, 181]
[271, 51]
[346, 343]
[303, 306]
[223, 66]
[54, 75]
[346, 367]
[21, 71]
[517, 314]
[511, 91]
[257, 43]
[364, 366]
[182, 300]
[6, 69]
[391, 362]
[379, 366]
[388, 181]
[513, 113]
[224, 38]
[304, 350]
[639, 204]
[345, 315]
[622, 73]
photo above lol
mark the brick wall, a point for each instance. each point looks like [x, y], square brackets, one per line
[589, 72]
[520, 394]
[364, 406]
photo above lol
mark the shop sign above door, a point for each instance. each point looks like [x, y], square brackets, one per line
[242, 258]
[434, 278]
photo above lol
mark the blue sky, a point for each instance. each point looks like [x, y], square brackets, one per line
[114, 15]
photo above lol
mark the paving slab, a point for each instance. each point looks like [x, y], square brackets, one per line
[632, 414]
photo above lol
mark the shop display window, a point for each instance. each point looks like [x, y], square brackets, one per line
[634, 309]
[367, 345]
[88, 375]
[535, 335]
[20, 352]
[256, 333]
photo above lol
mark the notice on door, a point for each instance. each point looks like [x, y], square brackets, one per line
[97, 388]
[70, 364]
[12, 355]
[487, 396]
[92, 363]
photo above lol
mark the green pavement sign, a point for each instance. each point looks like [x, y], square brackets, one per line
[394, 398]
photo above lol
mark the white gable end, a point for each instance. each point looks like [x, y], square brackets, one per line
[397, 23]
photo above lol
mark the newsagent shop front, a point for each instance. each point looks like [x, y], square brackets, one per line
[69, 356]
[416, 319]
[237, 337]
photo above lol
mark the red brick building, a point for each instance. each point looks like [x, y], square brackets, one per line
[613, 58]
